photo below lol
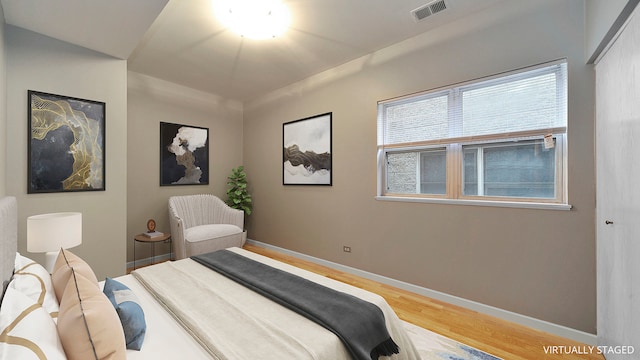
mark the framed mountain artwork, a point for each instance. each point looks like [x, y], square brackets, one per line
[307, 156]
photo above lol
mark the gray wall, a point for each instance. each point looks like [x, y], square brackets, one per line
[599, 16]
[151, 101]
[36, 62]
[3, 105]
[539, 263]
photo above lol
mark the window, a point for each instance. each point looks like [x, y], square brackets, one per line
[501, 138]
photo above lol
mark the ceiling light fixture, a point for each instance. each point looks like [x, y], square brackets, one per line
[254, 19]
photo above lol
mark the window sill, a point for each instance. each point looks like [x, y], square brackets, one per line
[507, 204]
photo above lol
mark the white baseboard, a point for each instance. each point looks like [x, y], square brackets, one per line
[548, 327]
[147, 261]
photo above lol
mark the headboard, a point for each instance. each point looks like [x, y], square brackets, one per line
[8, 238]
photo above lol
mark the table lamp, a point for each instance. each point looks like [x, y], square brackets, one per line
[48, 233]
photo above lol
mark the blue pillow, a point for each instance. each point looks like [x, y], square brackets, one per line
[129, 311]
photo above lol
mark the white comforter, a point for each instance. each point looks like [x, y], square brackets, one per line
[232, 322]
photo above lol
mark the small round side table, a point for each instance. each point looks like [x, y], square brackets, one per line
[153, 240]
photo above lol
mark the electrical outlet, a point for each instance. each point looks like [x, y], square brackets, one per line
[346, 249]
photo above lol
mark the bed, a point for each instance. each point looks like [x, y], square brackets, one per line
[188, 311]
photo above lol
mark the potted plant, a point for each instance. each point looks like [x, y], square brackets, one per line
[237, 195]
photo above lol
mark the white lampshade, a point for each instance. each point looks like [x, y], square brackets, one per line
[50, 232]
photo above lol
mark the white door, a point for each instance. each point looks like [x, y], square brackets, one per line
[618, 193]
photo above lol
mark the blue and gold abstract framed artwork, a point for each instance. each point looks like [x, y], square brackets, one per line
[184, 155]
[66, 145]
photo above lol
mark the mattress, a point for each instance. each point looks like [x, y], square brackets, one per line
[245, 324]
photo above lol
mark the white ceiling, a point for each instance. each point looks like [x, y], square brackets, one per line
[185, 44]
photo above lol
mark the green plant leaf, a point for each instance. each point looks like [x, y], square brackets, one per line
[238, 196]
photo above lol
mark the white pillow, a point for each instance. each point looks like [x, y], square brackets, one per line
[30, 331]
[34, 281]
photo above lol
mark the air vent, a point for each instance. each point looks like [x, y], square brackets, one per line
[425, 11]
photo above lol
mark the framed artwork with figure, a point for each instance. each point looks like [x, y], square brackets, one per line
[184, 155]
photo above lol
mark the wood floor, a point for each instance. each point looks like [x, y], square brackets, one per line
[495, 336]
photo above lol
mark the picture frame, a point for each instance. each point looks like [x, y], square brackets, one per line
[184, 154]
[66, 143]
[307, 151]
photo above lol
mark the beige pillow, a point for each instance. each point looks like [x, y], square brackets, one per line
[88, 324]
[62, 271]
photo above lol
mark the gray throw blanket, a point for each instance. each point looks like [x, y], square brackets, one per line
[359, 324]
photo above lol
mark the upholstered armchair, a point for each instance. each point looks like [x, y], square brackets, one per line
[203, 223]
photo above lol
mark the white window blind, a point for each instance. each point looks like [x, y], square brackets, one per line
[526, 103]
